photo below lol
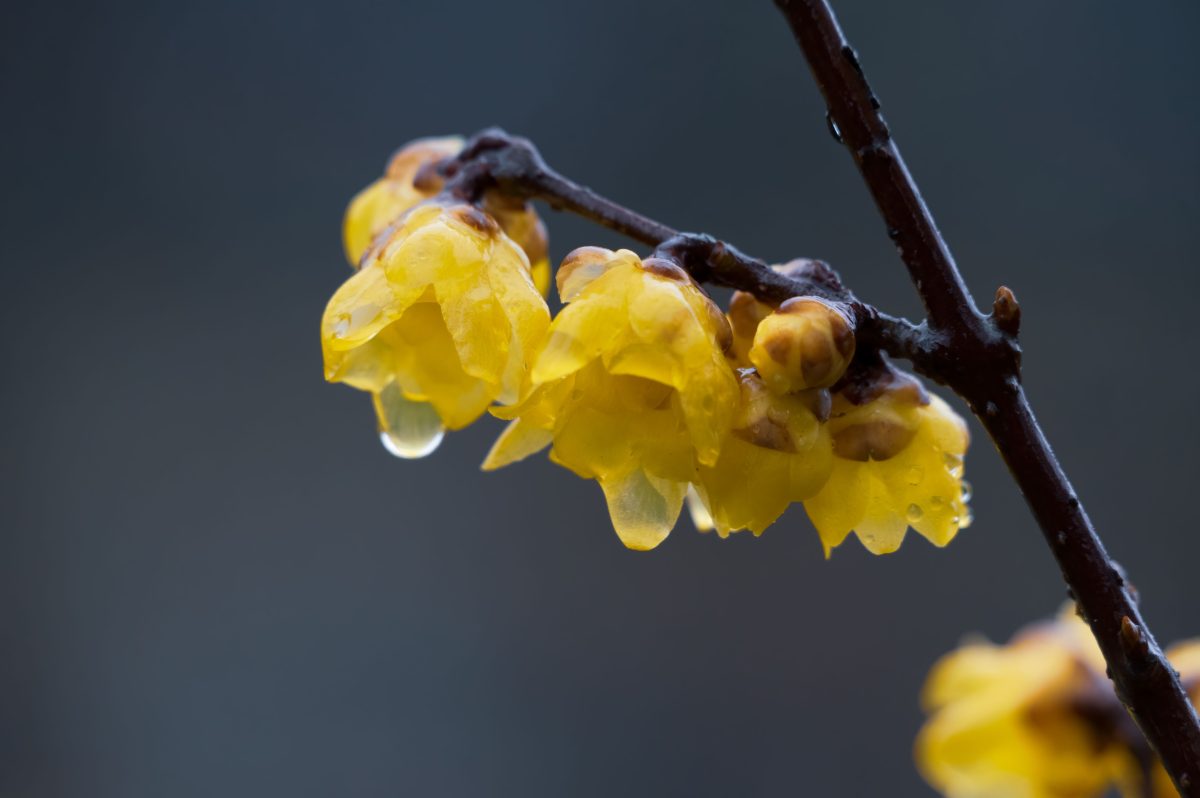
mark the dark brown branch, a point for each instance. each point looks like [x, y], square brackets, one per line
[495, 161]
[983, 367]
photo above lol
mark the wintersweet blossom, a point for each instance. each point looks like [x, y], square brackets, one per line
[898, 462]
[1038, 718]
[631, 388]
[440, 321]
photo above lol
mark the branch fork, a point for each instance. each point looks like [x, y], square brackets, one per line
[977, 356]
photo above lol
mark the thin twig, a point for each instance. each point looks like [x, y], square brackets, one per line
[493, 160]
[991, 383]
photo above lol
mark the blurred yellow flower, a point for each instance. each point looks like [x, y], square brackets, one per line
[409, 180]
[441, 320]
[898, 462]
[777, 452]
[1036, 718]
[632, 388]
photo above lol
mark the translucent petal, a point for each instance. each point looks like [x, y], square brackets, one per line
[367, 367]
[581, 267]
[362, 214]
[360, 308]
[478, 326]
[643, 508]
[539, 272]
[580, 332]
[430, 249]
[841, 503]
[428, 368]
[519, 440]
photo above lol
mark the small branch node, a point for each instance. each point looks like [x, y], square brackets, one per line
[1006, 312]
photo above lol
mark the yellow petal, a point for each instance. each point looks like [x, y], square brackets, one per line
[580, 268]
[643, 508]
[428, 367]
[519, 440]
[360, 308]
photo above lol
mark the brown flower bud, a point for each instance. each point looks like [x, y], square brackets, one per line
[806, 343]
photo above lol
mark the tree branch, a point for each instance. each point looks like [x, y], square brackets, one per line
[493, 160]
[983, 366]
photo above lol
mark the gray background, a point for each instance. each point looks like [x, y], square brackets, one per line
[213, 580]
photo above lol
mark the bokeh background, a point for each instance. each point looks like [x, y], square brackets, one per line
[214, 581]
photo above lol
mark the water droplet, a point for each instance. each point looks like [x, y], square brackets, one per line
[915, 475]
[954, 464]
[341, 325]
[701, 518]
[967, 491]
[937, 502]
[407, 428]
[834, 130]
[914, 513]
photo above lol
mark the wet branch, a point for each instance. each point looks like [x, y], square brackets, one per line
[983, 366]
[977, 356]
[493, 160]
[973, 354]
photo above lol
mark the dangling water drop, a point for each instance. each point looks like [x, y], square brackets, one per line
[407, 428]
[954, 464]
[967, 491]
[915, 513]
[701, 517]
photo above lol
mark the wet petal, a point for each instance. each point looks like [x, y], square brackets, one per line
[643, 508]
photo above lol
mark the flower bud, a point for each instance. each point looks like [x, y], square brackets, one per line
[806, 343]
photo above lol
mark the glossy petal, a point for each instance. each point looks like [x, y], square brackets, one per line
[899, 464]
[643, 507]
[444, 311]
[632, 386]
[777, 453]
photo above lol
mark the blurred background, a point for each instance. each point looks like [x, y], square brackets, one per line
[214, 581]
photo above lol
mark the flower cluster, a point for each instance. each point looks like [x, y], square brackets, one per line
[1038, 718]
[641, 382]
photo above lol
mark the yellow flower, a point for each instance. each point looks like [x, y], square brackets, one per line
[631, 387]
[778, 452]
[385, 200]
[440, 321]
[898, 463]
[1036, 718]
[408, 181]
